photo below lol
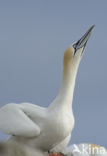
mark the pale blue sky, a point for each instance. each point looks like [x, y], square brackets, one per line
[33, 37]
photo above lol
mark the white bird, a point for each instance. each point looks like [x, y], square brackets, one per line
[48, 129]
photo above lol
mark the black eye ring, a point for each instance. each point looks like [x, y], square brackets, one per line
[75, 49]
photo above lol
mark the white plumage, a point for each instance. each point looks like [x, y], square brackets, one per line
[47, 128]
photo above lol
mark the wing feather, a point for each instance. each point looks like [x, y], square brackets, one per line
[14, 121]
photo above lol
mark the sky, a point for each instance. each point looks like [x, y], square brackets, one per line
[33, 37]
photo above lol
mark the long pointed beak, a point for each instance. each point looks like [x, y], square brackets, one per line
[83, 40]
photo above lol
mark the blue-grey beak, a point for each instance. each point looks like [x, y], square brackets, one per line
[83, 40]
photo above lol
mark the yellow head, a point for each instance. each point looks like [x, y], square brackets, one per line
[73, 54]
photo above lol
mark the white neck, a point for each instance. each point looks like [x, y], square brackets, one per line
[71, 63]
[68, 83]
[65, 96]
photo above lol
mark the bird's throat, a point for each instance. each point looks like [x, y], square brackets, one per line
[68, 83]
[65, 96]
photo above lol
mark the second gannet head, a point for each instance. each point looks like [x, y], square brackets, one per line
[73, 54]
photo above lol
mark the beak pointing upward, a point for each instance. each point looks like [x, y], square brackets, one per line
[83, 40]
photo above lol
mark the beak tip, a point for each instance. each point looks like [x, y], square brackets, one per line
[83, 40]
[92, 27]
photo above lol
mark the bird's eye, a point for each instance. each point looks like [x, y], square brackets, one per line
[74, 46]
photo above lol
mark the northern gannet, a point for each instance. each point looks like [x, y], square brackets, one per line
[48, 129]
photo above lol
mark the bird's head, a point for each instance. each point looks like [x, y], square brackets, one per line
[73, 54]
